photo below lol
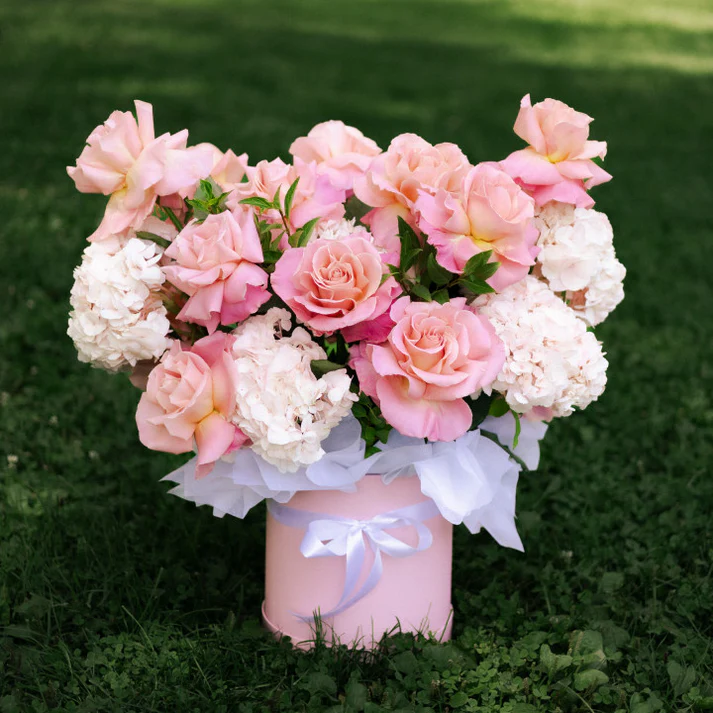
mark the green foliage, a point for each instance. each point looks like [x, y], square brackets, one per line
[289, 196]
[320, 367]
[354, 208]
[208, 199]
[115, 597]
[422, 277]
[258, 202]
[165, 213]
[374, 428]
[301, 236]
[145, 235]
[480, 408]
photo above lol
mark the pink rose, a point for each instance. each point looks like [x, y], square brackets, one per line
[557, 165]
[191, 395]
[124, 159]
[315, 196]
[216, 263]
[333, 285]
[392, 183]
[340, 151]
[435, 355]
[228, 169]
[489, 212]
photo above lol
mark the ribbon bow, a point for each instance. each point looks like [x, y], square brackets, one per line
[333, 536]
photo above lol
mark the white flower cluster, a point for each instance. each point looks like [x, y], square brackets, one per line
[118, 318]
[281, 406]
[577, 258]
[336, 229]
[552, 361]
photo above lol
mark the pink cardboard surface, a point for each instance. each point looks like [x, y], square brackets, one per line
[414, 593]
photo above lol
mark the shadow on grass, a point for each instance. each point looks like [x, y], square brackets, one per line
[93, 548]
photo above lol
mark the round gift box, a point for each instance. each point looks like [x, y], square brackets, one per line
[413, 593]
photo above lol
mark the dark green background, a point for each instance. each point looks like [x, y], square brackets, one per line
[115, 597]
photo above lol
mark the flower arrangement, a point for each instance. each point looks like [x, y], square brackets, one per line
[299, 325]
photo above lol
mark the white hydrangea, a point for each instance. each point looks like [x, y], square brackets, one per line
[118, 318]
[577, 258]
[552, 360]
[281, 406]
[336, 229]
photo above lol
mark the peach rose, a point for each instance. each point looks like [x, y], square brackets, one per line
[435, 355]
[216, 264]
[228, 168]
[489, 212]
[315, 196]
[124, 159]
[392, 183]
[340, 151]
[557, 165]
[333, 285]
[190, 395]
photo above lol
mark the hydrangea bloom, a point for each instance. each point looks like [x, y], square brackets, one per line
[117, 317]
[281, 406]
[338, 229]
[552, 361]
[577, 257]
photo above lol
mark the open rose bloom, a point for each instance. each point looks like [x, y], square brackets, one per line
[354, 311]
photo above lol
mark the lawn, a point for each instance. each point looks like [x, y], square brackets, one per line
[116, 597]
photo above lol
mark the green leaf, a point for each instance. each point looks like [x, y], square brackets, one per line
[204, 192]
[611, 582]
[639, 704]
[479, 408]
[276, 199]
[306, 232]
[552, 663]
[410, 245]
[586, 642]
[383, 434]
[421, 291]
[323, 366]
[441, 296]
[459, 699]
[173, 218]
[355, 208]
[477, 262]
[591, 678]
[410, 258]
[407, 232]
[290, 196]
[518, 428]
[355, 694]
[159, 212]
[274, 243]
[498, 408]
[405, 662]
[477, 287]
[439, 275]
[271, 256]
[144, 235]
[488, 270]
[322, 682]
[257, 202]
[682, 679]
[200, 209]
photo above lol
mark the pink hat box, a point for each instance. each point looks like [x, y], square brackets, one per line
[413, 593]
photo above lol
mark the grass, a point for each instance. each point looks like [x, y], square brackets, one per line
[114, 597]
